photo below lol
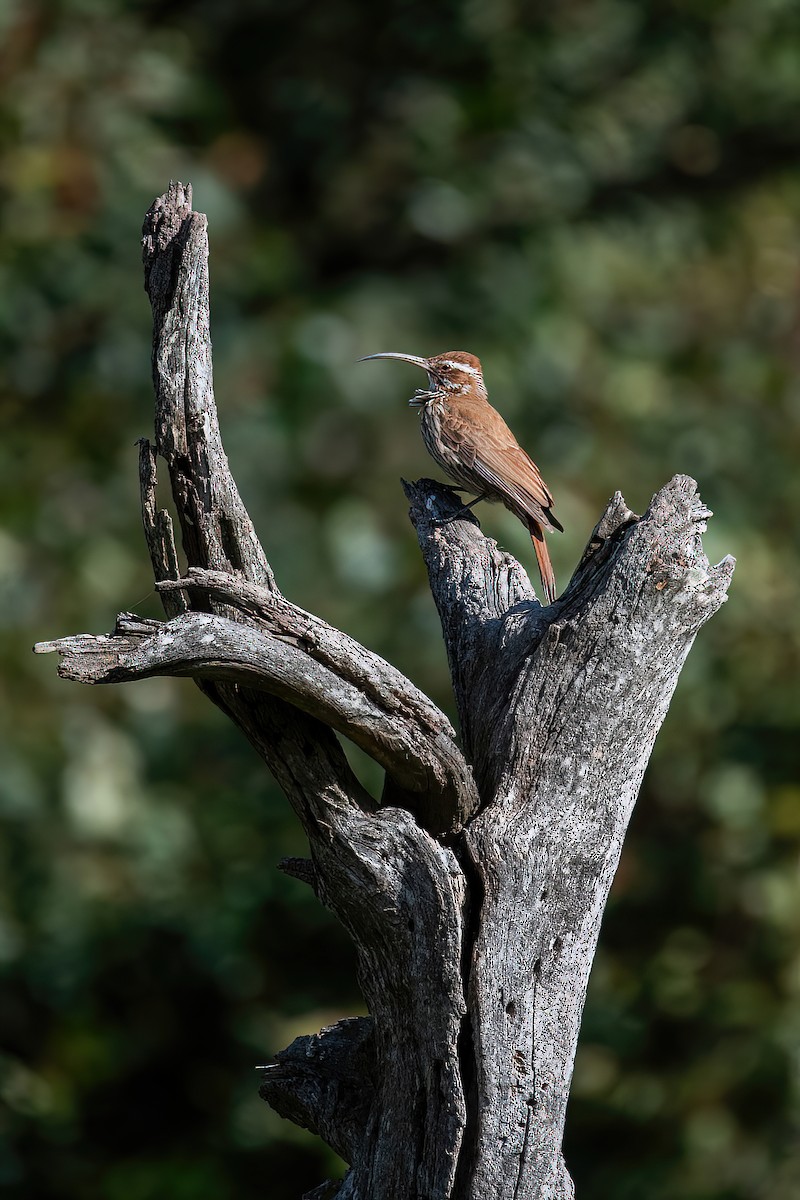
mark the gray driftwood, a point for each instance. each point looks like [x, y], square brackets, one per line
[474, 892]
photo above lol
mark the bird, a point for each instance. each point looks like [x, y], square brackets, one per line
[472, 443]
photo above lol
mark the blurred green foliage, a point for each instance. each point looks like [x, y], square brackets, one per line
[602, 200]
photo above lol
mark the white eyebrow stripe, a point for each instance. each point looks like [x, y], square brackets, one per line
[459, 366]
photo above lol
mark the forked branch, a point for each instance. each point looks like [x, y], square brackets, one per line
[474, 891]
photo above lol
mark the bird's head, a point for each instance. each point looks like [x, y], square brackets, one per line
[454, 373]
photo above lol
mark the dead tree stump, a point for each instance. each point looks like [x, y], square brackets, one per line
[474, 891]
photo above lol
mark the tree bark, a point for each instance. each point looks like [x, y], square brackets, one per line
[474, 891]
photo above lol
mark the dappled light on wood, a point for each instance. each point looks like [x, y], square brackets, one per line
[474, 890]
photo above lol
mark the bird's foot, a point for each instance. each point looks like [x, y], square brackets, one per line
[456, 516]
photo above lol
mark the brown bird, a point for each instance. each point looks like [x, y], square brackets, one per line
[472, 443]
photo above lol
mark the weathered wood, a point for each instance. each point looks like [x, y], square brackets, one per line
[563, 706]
[349, 846]
[407, 736]
[474, 892]
[325, 1082]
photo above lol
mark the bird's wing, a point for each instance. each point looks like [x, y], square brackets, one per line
[499, 461]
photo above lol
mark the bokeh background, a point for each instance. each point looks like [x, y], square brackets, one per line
[602, 200]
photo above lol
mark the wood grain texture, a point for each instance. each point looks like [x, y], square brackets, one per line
[562, 707]
[325, 1082]
[304, 662]
[474, 892]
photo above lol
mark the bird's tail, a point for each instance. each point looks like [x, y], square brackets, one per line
[543, 559]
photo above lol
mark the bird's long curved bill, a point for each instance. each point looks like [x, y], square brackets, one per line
[414, 359]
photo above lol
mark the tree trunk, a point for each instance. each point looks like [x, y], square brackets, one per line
[474, 892]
